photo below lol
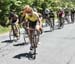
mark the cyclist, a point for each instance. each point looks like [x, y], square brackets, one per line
[66, 16]
[52, 16]
[48, 15]
[13, 18]
[60, 15]
[32, 18]
[72, 15]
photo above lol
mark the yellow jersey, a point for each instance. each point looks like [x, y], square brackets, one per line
[32, 18]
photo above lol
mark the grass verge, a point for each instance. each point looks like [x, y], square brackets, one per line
[3, 29]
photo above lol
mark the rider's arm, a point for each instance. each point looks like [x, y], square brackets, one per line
[40, 21]
[17, 19]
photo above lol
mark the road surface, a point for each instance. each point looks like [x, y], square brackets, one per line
[57, 47]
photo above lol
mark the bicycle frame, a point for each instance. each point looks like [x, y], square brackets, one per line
[35, 39]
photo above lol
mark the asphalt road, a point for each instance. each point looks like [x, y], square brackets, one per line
[57, 47]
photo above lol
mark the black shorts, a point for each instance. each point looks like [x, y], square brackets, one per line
[32, 24]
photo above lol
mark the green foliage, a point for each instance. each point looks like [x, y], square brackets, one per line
[17, 5]
[4, 29]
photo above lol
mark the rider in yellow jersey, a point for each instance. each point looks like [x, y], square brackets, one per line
[33, 20]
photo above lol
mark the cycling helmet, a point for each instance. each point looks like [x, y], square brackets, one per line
[47, 11]
[34, 9]
[27, 9]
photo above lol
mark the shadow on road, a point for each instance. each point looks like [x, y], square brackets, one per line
[7, 41]
[55, 28]
[47, 31]
[26, 55]
[21, 44]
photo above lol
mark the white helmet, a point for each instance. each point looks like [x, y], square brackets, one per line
[34, 9]
[47, 11]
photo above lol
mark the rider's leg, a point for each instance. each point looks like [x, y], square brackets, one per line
[53, 23]
[67, 19]
[17, 30]
[72, 18]
[39, 29]
[30, 37]
[59, 25]
[62, 22]
[49, 23]
[13, 30]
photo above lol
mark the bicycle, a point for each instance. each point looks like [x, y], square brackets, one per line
[35, 40]
[14, 32]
